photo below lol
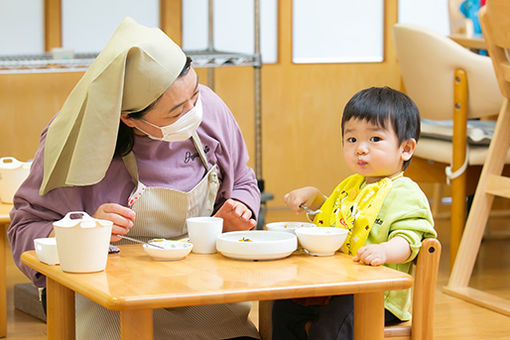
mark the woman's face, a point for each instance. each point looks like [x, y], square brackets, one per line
[176, 101]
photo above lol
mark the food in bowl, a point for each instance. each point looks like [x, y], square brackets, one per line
[321, 241]
[173, 250]
[287, 226]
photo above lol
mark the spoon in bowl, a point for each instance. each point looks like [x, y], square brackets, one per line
[139, 241]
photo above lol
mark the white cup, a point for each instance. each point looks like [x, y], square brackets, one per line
[203, 232]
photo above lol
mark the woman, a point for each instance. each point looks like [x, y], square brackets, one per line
[141, 143]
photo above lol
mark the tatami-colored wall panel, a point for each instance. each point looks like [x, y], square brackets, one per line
[27, 103]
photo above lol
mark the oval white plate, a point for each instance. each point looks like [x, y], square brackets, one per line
[256, 244]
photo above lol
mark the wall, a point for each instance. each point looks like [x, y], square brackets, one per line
[301, 106]
[301, 109]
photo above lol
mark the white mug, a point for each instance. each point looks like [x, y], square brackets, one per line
[203, 232]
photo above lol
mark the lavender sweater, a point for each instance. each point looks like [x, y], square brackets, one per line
[173, 165]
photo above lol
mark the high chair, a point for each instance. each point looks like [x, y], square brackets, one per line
[448, 83]
[495, 22]
[424, 289]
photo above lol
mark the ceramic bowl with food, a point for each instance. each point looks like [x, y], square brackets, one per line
[173, 250]
[289, 227]
[321, 241]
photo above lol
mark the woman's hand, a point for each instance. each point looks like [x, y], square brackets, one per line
[122, 218]
[309, 196]
[236, 216]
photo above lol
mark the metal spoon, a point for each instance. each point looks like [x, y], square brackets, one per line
[310, 211]
[139, 241]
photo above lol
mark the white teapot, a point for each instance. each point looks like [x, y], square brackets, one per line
[12, 174]
[82, 243]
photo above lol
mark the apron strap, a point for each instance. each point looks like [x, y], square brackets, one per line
[200, 149]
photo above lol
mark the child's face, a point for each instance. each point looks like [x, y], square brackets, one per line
[373, 151]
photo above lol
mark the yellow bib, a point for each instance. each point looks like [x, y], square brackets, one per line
[354, 206]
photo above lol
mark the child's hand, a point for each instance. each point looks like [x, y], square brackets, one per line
[309, 196]
[373, 254]
[396, 250]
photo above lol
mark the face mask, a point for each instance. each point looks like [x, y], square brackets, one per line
[181, 129]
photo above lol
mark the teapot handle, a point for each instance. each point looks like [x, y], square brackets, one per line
[10, 160]
[85, 216]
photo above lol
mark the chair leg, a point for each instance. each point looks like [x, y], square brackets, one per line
[458, 215]
[491, 183]
[436, 198]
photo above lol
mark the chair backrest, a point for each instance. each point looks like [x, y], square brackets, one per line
[495, 20]
[428, 62]
[425, 279]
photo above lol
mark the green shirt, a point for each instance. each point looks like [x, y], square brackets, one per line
[405, 213]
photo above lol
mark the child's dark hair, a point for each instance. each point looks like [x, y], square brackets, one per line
[383, 105]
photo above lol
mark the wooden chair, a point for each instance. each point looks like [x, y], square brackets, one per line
[495, 22]
[424, 289]
[448, 83]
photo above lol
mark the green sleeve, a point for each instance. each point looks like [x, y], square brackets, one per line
[405, 213]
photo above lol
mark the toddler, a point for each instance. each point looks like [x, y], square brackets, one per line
[387, 215]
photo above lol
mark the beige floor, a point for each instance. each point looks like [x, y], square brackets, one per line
[454, 318]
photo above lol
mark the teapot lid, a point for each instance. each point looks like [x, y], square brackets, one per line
[10, 163]
[86, 221]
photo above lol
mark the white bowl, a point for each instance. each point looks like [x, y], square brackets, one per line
[321, 241]
[289, 227]
[174, 250]
[256, 244]
[46, 250]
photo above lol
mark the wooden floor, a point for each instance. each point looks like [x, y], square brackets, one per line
[454, 318]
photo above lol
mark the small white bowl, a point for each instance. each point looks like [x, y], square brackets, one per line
[289, 227]
[174, 250]
[46, 250]
[321, 241]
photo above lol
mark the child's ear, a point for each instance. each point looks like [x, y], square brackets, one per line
[407, 149]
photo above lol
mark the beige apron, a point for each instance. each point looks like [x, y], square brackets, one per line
[162, 212]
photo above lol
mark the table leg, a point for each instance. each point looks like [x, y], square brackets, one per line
[136, 324]
[3, 295]
[60, 309]
[369, 316]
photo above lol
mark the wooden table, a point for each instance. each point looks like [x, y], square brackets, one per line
[4, 223]
[475, 41]
[134, 284]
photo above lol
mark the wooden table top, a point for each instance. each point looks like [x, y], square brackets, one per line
[5, 208]
[476, 41]
[132, 280]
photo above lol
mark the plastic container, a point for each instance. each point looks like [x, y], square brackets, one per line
[12, 174]
[82, 243]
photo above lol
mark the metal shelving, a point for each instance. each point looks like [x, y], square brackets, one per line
[44, 63]
[208, 58]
